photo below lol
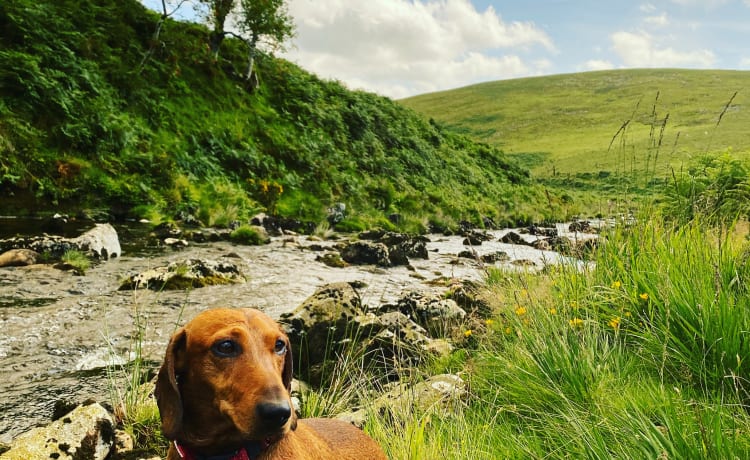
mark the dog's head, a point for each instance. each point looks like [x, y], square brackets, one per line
[226, 380]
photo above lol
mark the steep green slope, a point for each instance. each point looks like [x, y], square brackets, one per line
[571, 124]
[87, 122]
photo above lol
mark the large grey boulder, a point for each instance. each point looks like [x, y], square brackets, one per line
[85, 433]
[101, 241]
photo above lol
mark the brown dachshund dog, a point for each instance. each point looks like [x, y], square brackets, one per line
[223, 394]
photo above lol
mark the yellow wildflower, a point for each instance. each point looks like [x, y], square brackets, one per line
[489, 322]
[508, 330]
[520, 311]
[553, 311]
[616, 285]
[614, 323]
[576, 322]
[467, 333]
[644, 296]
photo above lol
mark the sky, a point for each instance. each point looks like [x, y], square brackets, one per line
[401, 48]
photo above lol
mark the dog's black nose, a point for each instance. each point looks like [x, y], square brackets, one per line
[275, 414]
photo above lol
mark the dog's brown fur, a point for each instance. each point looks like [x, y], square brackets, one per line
[209, 400]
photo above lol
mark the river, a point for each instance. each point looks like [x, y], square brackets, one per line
[60, 333]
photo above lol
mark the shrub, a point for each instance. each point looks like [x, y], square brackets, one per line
[249, 235]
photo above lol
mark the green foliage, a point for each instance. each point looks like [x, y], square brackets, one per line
[678, 296]
[246, 234]
[715, 189]
[77, 260]
[639, 355]
[83, 85]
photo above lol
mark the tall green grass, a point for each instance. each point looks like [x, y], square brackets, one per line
[641, 354]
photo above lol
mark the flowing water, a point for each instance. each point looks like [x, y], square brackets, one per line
[59, 333]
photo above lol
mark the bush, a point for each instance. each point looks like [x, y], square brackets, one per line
[246, 234]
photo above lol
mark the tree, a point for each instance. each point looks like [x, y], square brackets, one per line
[263, 20]
[256, 22]
[155, 40]
[218, 12]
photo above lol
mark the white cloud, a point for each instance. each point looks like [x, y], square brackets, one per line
[640, 50]
[648, 7]
[598, 64]
[380, 45]
[745, 62]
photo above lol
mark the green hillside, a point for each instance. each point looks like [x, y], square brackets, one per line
[573, 124]
[98, 113]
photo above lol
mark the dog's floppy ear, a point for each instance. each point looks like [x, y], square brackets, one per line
[286, 375]
[167, 389]
[286, 378]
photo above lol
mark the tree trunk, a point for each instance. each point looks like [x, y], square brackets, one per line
[214, 41]
[250, 75]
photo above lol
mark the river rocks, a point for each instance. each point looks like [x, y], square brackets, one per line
[513, 238]
[580, 226]
[333, 317]
[366, 252]
[541, 231]
[402, 246]
[383, 248]
[436, 314]
[332, 259]
[18, 258]
[475, 237]
[100, 242]
[85, 433]
[185, 274]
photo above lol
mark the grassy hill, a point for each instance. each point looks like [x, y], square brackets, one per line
[98, 113]
[639, 123]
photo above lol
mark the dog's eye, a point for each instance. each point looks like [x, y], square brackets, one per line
[226, 348]
[280, 347]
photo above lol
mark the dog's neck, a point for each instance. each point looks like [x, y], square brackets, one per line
[249, 451]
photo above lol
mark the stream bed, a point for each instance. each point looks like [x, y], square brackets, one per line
[61, 335]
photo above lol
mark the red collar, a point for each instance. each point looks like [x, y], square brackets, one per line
[249, 451]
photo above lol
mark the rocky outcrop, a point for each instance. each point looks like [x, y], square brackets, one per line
[100, 242]
[85, 433]
[185, 274]
[330, 320]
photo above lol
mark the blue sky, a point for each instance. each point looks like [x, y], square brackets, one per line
[400, 48]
